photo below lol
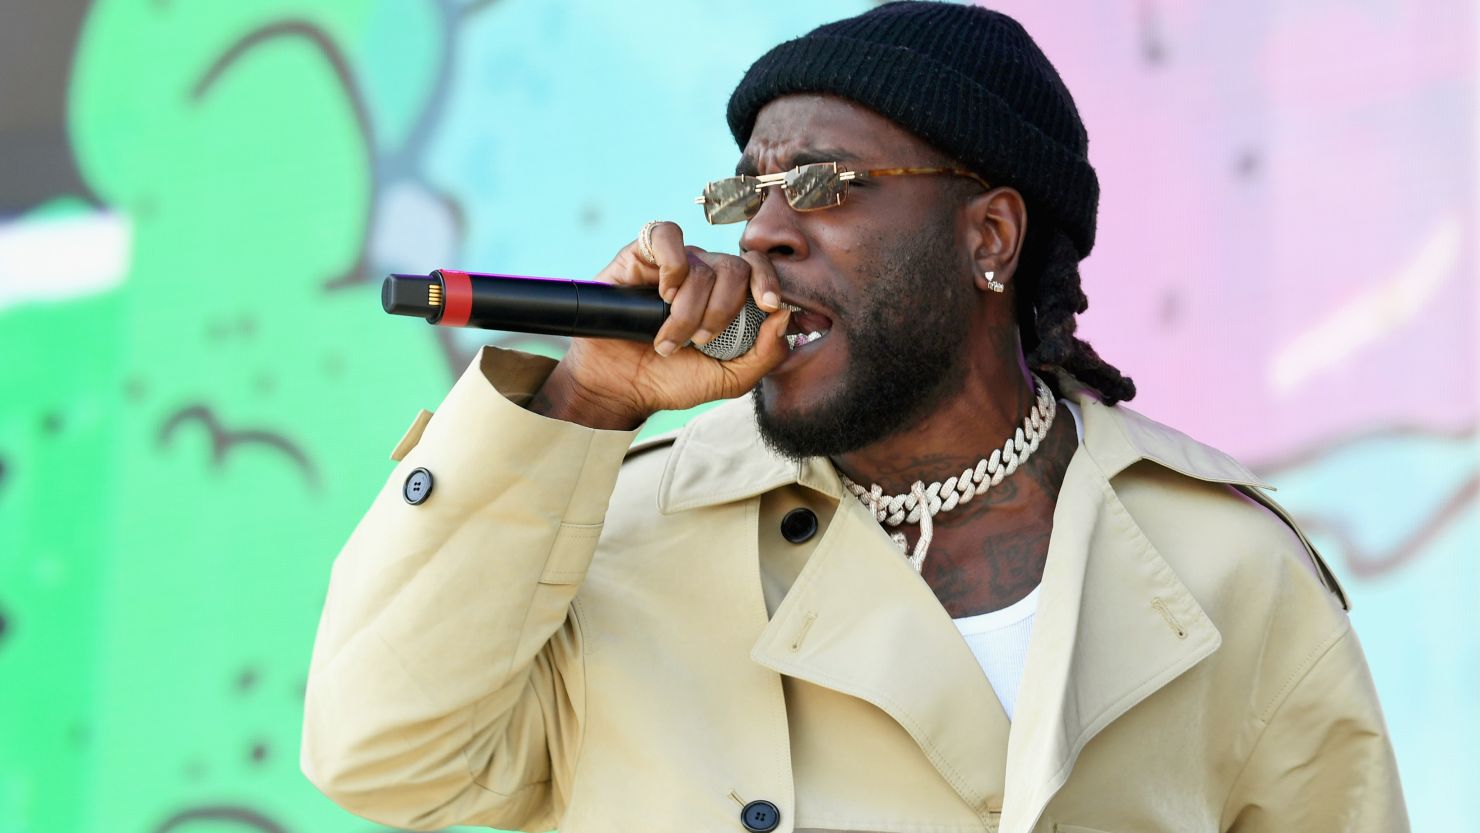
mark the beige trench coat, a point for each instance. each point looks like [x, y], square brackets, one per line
[556, 637]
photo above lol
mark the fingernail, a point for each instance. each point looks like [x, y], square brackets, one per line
[669, 293]
[667, 348]
[772, 300]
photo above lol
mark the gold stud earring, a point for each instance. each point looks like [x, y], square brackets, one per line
[993, 284]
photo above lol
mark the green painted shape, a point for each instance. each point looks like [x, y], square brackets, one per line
[56, 446]
[163, 596]
[164, 669]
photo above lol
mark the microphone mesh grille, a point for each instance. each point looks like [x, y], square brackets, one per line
[737, 338]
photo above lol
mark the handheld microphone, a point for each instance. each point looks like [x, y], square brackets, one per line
[551, 306]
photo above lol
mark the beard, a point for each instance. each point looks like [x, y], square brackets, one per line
[907, 323]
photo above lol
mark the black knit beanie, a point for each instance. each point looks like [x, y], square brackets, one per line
[967, 80]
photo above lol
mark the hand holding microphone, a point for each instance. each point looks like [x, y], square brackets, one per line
[607, 379]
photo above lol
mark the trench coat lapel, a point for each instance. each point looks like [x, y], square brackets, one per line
[1114, 622]
[861, 621]
[858, 619]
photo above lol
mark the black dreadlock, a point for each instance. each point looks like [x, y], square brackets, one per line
[1049, 297]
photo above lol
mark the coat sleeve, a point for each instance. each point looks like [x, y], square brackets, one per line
[1323, 762]
[446, 682]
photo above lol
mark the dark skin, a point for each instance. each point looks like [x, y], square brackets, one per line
[987, 553]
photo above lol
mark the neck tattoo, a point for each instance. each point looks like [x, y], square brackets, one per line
[922, 503]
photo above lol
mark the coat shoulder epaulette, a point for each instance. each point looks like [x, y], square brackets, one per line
[1323, 570]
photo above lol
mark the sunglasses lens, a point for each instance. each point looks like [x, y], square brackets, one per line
[811, 187]
[731, 200]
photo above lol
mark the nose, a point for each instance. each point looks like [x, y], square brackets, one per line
[774, 230]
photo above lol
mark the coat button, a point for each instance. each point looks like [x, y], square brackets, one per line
[798, 525]
[762, 816]
[418, 486]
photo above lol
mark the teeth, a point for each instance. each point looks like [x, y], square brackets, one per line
[800, 339]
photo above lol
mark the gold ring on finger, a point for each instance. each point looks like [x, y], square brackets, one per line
[645, 243]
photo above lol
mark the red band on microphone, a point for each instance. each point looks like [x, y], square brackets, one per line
[457, 298]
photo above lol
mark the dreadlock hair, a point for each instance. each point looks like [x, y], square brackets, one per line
[1048, 297]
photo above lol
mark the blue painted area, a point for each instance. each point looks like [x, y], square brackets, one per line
[1418, 621]
[569, 126]
[1403, 479]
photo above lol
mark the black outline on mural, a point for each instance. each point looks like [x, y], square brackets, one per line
[294, 28]
[473, 7]
[1370, 564]
[388, 165]
[224, 441]
[222, 812]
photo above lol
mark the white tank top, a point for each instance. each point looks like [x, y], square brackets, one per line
[999, 639]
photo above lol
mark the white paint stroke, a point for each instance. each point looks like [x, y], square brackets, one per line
[1372, 314]
[62, 258]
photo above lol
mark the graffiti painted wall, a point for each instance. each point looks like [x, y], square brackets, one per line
[198, 390]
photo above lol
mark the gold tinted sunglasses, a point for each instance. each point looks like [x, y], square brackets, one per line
[807, 188]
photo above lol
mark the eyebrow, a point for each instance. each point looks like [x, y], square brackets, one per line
[805, 156]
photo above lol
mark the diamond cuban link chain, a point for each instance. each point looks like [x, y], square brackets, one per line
[922, 503]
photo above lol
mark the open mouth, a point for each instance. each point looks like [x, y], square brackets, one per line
[806, 327]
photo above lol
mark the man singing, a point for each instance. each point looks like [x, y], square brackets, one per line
[927, 575]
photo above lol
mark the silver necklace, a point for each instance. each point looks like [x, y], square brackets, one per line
[922, 503]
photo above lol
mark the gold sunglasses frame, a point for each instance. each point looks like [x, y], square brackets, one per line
[844, 175]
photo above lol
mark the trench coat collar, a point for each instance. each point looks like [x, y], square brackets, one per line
[1114, 622]
[719, 457]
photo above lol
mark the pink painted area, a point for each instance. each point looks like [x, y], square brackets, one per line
[1277, 165]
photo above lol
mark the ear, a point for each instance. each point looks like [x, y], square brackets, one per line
[996, 224]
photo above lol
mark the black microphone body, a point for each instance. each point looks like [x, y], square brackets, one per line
[549, 306]
[574, 308]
